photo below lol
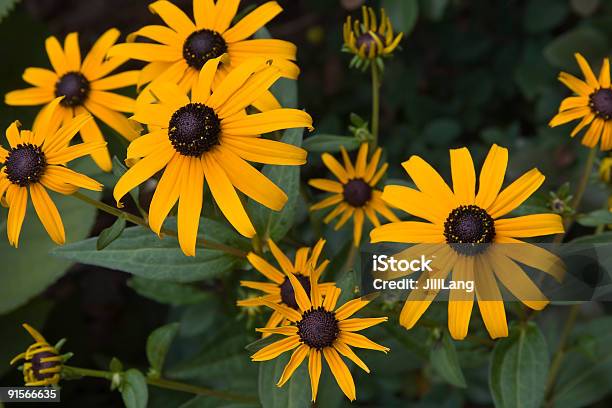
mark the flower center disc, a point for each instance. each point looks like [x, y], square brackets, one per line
[288, 294]
[600, 102]
[38, 365]
[74, 87]
[25, 164]
[469, 224]
[357, 192]
[202, 46]
[194, 129]
[318, 328]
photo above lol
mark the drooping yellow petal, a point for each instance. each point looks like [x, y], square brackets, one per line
[266, 122]
[284, 330]
[461, 301]
[296, 359]
[47, 213]
[225, 196]
[314, 370]
[167, 191]
[289, 313]
[593, 134]
[490, 301]
[73, 152]
[341, 373]
[575, 84]
[532, 255]
[190, 206]
[64, 135]
[266, 151]
[357, 324]
[17, 210]
[113, 119]
[346, 351]
[492, 176]
[350, 308]
[569, 115]
[415, 203]
[203, 88]
[357, 226]
[59, 175]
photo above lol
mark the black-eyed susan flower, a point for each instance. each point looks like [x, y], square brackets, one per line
[279, 289]
[42, 362]
[183, 46]
[208, 136]
[354, 194]
[84, 85]
[460, 230]
[592, 103]
[369, 40]
[35, 162]
[319, 329]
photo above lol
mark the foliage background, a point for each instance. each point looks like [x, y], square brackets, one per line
[470, 73]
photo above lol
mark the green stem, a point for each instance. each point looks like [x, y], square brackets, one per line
[579, 194]
[560, 352]
[161, 383]
[376, 81]
[143, 223]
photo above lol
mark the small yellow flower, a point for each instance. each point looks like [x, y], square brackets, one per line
[369, 40]
[208, 136]
[42, 362]
[592, 104]
[319, 329]
[180, 48]
[354, 194]
[85, 85]
[279, 290]
[467, 233]
[36, 161]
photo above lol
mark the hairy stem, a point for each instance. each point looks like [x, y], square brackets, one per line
[376, 82]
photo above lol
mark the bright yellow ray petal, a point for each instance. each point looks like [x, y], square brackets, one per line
[411, 232]
[265, 268]
[72, 52]
[357, 226]
[335, 167]
[17, 210]
[314, 370]
[575, 84]
[326, 185]
[429, 181]
[360, 341]
[201, 91]
[271, 48]
[29, 96]
[47, 213]
[93, 60]
[204, 13]
[146, 52]
[346, 351]
[68, 154]
[266, 151]
[351, 307]
[277, 348]
[226, 11]
[492, 176]
[190, 206]
[415, 203]
[294, 362]
[266, 122]
[516, 193]
[225, 196]
[360, 162]
[158, 33]
[252, 22]
[604, 74]
[56, 55]
[490, 301]
[173, 16]
[460, 302]
[113, 119]
[529, 225]
[341, 373]
[357, 324]
[593, 134]
[464, 176]
[284, 330]
[58, 175]
[40, 77]
[586, 71]
[569, 115]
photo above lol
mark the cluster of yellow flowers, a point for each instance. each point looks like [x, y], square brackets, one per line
[199, 91]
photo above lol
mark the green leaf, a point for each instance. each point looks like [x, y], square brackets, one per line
[443, 357]
[276, 224]
[134, 389]
[403, 14]
[330, 143]
[519, 367]
[591, 43]
[158, 344]
[594, 239]
[170, 293]
[595, 218]
[110, 234]
[32, 269]
[441, 131]
[6, 6]
[544, 15]
[295, 393]
[140, 252]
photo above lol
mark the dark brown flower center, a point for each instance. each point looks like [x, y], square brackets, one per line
[194, 129]
[287, 292]
[469, 225]
[368, 40]
[74, 87]
[38, 365]
[600, 102]
[357, 192]
[25, 164]
[318, 328]
[202, 46]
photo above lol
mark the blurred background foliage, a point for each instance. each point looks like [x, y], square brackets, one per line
[470, 73]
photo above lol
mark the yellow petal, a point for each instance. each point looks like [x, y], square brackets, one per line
[252, 22]
[17, 210]
[586, 70]
[414, 203]
[266, 122]
[226, 11]
[341, 373]
[492, 176]
[167, 191]
[173, 16]
[346, 351]
[516, 193]
[266, 151]
[190, 206]
[296, 359]
[314, 370]
[72, 52]
[529, 225]
[429, 181]
[56, 56]
[277, 348]
[411, 232]
[464, 176]
[335, 167]
[357, 324]
[47, 213]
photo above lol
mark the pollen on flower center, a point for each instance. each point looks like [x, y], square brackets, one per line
[469, 224]
[202, 46]
[357, 192]
[194, 129]
[318, 328]
[600, 102]
[288, 294]
[74, 87]
[25, 164]
[39, 365]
